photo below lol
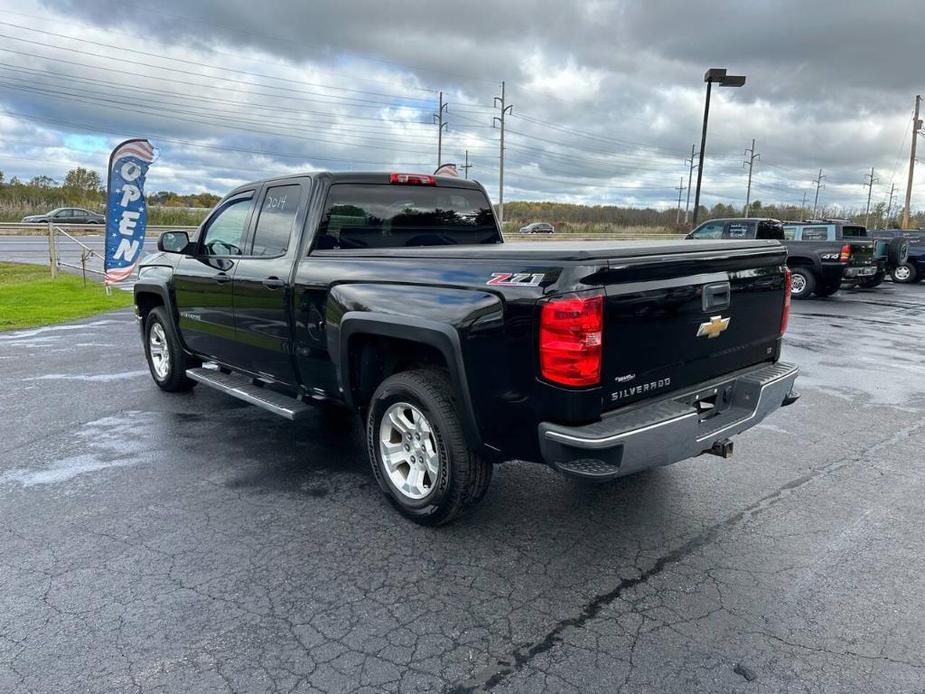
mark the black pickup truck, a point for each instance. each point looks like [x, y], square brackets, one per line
[874, 257]
[393, 295]
[819, 264]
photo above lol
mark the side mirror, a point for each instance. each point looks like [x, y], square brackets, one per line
[173, 242]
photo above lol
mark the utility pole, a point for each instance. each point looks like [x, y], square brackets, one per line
[680, 188]
[441, 126]
[916, 126]
[889, 207]
[869, 181]
[501, 102]
[750, 157]
[803, 206]
[690, 176]
[465, 167]
[818, 181]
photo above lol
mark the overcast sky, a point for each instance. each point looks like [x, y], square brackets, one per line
[607, 96]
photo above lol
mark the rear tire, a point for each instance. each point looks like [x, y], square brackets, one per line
[167, 361]
[803, 283]
[418, 450]
[905, 274]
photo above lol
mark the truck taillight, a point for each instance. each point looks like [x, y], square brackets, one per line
[845, 254]
[407, 179]
[788, 284]
[571, 332]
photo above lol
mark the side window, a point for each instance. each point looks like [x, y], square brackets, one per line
[277, 216]
[739, 230]
[790, 233]
[225, 229]
[709, 230]
[815, 233]
[61, 214]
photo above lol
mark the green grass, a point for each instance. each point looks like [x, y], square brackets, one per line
[30, 298]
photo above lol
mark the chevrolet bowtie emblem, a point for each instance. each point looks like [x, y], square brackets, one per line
[713, 327]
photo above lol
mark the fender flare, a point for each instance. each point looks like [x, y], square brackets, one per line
[161, 290]
[440, 336]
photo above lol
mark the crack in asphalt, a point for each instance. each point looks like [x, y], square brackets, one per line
[488, 678]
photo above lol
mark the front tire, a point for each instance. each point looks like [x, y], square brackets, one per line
[167, 361]
[802, 283]
[904, 274]
[418, 450]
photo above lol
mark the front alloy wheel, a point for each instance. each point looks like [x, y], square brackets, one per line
[159, 350]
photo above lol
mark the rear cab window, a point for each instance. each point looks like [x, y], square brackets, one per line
[854, 232]
[373, 215]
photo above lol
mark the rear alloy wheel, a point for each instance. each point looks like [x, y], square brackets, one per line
[904, 274]
[166, 359]
[802, 283]
[418, 450]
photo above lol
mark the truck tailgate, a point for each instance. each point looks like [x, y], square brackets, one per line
[673, 322]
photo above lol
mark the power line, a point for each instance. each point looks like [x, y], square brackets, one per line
[210, 78]
[125, 49]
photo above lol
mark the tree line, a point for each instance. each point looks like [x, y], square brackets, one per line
[85, 188]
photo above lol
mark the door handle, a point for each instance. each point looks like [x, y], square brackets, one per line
[221, 278]
[273, 283]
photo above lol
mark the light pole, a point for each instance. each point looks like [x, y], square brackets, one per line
[719, 76]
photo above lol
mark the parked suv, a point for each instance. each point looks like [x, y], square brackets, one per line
[67, 215]
[538, 228]
[913, 270]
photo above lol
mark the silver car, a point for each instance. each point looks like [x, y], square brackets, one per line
[538, 228]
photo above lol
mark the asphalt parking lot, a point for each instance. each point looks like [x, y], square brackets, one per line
[190, 543]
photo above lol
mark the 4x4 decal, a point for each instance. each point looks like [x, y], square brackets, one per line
[516, 279]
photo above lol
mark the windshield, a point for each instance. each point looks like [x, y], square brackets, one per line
[390, 216]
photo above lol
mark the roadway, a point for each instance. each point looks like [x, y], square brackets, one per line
[181, 543]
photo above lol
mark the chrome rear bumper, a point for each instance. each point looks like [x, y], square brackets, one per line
[671, 429]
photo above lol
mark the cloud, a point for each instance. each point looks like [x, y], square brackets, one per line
[607, 96]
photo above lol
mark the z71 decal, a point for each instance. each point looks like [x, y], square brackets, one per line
[515, 279]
